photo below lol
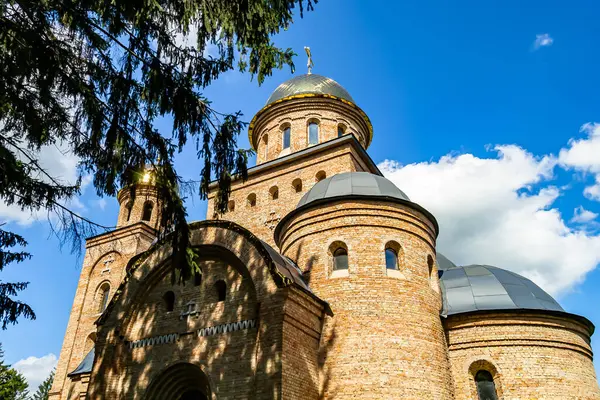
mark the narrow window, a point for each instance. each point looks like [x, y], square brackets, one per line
[231, 205]
[340, 259]
[197, 279]
[320, 176]
[286, 137]
[266, 146]
[391, 258]
[341, 130]
[147, 214]
[274, 193]
[128, 207]
[251, 202]
[221, 290]
[297, 185]
[486, 389]
[430, 266]
[393, 253]
[169, 299]
[313, 133]
[103, 297]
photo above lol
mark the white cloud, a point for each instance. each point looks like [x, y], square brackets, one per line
[582, 216]
[499, 211]
[35, 369]
[542, 40]
[583, 155]
[190, 39]
[100, 203]
[60, 164]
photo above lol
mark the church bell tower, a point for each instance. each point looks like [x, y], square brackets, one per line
[103, 270]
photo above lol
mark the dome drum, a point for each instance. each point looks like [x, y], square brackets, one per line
[297, 114]
[365, 296]
[306, 94]
[355, 186]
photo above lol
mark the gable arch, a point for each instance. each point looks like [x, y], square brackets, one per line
[99, 263]
[266, 268]
[149, 353]
[137, 306]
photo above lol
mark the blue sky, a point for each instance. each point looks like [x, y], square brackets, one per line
[476, 122]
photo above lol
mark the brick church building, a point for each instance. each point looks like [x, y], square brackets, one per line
[321, 281]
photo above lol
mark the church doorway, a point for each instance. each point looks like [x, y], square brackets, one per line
[181, 381]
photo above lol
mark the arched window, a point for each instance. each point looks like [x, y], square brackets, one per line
[313, 133]
[128, 208]
[169, 299]
[287, 137]
[231, 205]
[147, 214]
[340, 259]
[221, 289]
[486, 389]
[430, 266]
[274, 193]
[341, 130]
[266, 147]
[197, 279]
[320, 176]
[103, 296]
[339, 256]
[392, 255]
[391, 258]
[251, 202]
[297, 185]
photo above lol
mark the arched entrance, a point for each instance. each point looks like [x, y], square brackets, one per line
[182, 381]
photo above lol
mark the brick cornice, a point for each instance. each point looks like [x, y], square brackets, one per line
[359, 153]
[139, 228]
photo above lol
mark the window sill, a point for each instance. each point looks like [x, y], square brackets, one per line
[340, 273]
[394, 273]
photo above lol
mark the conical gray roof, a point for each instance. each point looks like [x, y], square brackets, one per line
[352, 183]
[483, 287]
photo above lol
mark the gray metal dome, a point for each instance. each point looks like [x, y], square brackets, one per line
[352, 183]
[309, 84]
[483, 287]
[443, 262]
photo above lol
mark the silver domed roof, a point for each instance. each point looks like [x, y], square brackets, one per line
[352, 183]
[483, 287]
[309, 84]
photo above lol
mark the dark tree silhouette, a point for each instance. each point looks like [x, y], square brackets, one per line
[94, 77]
[13, 385]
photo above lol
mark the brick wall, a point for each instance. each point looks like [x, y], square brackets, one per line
[245, 363]
[261, 219]
[296, 114]
[103, 266]
[301, 335]
[530, 355]
[385, 339]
